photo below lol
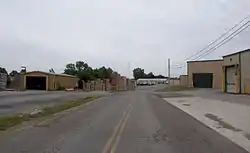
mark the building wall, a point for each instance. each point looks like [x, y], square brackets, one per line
[212, 66]
[17, 82]
[56, 81]
[3, 81]
[174, 82]
[231, 60]
[241, 62]
[184, 80]
[122, 84]
[245, 72]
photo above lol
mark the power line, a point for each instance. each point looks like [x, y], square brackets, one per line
[224, 34]
[210, 44]
[222, 42]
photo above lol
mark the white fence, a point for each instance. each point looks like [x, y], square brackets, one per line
[3, 81]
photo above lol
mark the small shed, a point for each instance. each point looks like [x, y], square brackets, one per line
[38, 80]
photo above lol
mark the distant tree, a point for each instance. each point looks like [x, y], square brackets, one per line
[23, 70]
[80, 65]
[150, 75]
[13, 73]
[3, 70]
[138, 73]
[160, 76]
[87, 73]
[70, 69]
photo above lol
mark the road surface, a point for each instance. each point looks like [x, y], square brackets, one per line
[126, 122]
[22, 102]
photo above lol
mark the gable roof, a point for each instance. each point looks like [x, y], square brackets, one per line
[246, 50]
[49, 73]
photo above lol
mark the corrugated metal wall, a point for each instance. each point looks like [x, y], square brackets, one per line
[3, 81]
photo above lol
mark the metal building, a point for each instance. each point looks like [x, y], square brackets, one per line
[236, 72]
[205, 74]
[3, 81]
[37, 80]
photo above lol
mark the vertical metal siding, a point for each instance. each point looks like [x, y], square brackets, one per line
[3, 81]
[245, 72]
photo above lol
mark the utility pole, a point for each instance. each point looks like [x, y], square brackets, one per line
[169, 71]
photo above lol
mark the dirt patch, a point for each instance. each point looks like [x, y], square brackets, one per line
[171, 95]
[222, 123]
[247, 135]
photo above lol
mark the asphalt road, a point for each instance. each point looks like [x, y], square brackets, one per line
[127, 122]
[22, 102]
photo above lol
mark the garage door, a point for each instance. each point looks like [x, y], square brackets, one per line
[230, 80]
[35, 83]
[203, 80]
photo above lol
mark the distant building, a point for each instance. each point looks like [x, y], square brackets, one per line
[3, 81]
[151, 81]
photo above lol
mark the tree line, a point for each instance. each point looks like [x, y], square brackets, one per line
[139, 73]
[85, 72]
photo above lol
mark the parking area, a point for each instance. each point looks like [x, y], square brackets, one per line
[218, 95]
[228, 114]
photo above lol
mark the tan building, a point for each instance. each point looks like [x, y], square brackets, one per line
[174, 81]
[236, 70]
[184, 80]
[37, 80]
[205, 74]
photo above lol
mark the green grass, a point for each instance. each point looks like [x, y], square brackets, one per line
[10, 121]
[175, 88]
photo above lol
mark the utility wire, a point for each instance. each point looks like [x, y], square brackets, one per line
[210, 44]
[223, 42]
[224, 34]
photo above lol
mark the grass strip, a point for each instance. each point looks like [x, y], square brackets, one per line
[10, 121]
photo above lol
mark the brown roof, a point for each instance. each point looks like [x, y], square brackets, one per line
[246, 50]
[49, 73]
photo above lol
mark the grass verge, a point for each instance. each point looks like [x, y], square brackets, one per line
[10, 121]
[175, 88]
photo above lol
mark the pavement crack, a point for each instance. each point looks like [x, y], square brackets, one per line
[222, 123]
[159, 136]
[247, 135]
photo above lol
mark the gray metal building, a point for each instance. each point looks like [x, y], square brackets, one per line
[236, 72]
[3, 81]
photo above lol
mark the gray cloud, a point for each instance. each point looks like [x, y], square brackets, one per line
[44, 34]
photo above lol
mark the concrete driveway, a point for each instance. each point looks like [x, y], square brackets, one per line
[227, 114]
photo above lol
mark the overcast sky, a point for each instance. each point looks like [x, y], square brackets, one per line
[122, 34]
